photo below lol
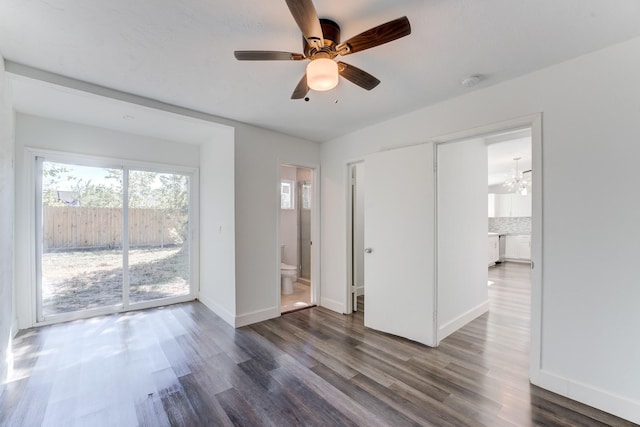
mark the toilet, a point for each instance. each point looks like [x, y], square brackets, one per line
[288, 275]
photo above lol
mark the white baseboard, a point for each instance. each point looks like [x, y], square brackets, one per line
[359, 291]
[303, 281]
[257, 316]
[218, 310]
[522, 261]
[612, 403]
[333, 305]
[457, 323]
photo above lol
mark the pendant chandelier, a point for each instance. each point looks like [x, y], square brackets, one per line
[518, 183]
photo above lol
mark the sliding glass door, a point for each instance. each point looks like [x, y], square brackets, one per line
[159, 240]
[96, 254]
[81, 238]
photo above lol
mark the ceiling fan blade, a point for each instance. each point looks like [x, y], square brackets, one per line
[381, 34]
[357, 76]
[302, 89]
[266, 55]
[306, 17]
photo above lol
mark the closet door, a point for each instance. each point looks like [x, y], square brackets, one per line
[399, 242]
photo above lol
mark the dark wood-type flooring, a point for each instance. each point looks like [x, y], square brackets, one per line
[182, 365]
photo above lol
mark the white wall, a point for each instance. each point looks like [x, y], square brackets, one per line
[289, 221]
[590, 292]
[258, 156]
[462, 234]
[217, 225]
[254, 294]
[49, 134]
[7, 200]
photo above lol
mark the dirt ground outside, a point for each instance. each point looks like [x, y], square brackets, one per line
[84, 279]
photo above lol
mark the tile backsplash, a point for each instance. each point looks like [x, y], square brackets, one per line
[508, 225]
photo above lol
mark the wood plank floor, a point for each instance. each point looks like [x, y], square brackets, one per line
[182, 365]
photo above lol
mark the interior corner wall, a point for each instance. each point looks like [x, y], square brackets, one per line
[258, 155]
[74, 138]
[7, 201]
[462, 234]
[590, 293]
[217, 226]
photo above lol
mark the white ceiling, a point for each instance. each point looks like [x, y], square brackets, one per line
[181, 52]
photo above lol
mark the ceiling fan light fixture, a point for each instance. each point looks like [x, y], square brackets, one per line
[322, 74]
[321, 44]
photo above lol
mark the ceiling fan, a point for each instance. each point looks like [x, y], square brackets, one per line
[321, 45]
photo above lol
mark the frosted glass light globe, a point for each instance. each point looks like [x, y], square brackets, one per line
[322, 74]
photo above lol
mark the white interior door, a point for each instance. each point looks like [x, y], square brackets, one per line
[399, 241]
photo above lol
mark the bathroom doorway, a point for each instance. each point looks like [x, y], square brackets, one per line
[296, 243]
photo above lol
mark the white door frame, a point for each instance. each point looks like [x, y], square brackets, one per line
[315, 232]
[533, 121]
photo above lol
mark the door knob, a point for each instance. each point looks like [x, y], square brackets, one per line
[368, 250]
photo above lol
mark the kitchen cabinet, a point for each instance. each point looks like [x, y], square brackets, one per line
[499, 205]
[509, 205]
[520, 205]
[518, 247]
[492, 205]
[493, 249]
[503, 205]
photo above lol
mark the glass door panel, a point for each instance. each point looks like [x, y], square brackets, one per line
[158, 231]
[81, 238]
[304, 228]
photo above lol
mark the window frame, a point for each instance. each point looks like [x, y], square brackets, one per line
[292, 194]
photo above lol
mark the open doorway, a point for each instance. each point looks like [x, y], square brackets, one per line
[510, 191]
[296, 215]
[512, 200]
[356, 249]
[484, 211]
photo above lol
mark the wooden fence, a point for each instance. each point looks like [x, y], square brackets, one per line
[75, 227]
